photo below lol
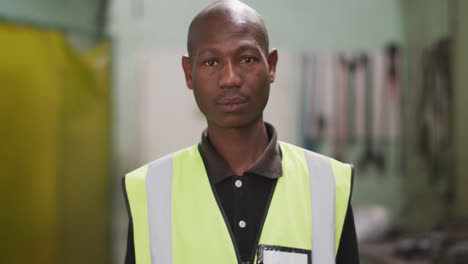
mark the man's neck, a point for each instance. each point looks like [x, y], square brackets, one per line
[240, 147]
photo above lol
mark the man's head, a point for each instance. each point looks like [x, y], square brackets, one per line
[229, 66]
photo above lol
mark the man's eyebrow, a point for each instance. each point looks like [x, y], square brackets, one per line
[208, 50]
[247, 47]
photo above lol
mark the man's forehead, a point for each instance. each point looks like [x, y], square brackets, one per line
[225, 27]
[227, 40]
[227, 17]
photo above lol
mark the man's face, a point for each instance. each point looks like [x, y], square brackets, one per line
[229, 73]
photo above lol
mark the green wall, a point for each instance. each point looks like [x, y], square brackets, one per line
[73, 16]
[298, 24]
[81, 21]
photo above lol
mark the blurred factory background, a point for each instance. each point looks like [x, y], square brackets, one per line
[92, 89]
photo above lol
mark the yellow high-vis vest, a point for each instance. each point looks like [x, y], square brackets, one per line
[177, 218]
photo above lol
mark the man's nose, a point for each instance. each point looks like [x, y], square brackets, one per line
[229, 76]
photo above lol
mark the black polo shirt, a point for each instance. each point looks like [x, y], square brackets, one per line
[244, 200]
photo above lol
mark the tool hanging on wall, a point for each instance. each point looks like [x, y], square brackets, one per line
[360, 85]
[352, 65]
[435, 115]
[393, 93]
[341, 104]
[370, 155]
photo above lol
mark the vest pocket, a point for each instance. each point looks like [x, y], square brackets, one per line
[269, 254]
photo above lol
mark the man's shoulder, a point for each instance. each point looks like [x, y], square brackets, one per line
[344, 172]
[309, 153]
[143, 168]
[285, 146]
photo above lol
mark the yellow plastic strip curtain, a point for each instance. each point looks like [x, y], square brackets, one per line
[54, 149]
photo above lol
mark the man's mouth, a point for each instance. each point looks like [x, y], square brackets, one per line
[232, 100]
[231, 103]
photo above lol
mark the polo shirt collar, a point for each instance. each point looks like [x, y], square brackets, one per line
[268, 165]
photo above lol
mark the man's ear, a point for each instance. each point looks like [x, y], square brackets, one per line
[187, 67]
[272, 61]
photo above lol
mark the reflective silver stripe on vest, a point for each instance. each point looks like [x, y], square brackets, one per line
[322, 195]
[159, 193]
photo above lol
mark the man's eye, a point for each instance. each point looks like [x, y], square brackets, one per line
[211, 63]
[247, 59]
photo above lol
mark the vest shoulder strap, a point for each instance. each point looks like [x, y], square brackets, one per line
[149, 195]
[330, 190]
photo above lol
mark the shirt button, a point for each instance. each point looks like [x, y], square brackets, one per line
[238, 183]
[242, 224]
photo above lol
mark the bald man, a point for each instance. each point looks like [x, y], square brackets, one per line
[240, 195]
